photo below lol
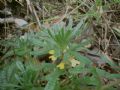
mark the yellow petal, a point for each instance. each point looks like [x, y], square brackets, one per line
[61, 65]
[51, 52]
[88, 46]
[53, 58]
[74, 62]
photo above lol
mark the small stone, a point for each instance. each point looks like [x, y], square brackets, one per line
[20, 22]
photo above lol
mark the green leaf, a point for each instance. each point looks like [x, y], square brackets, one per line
[18, 78]
[113, 76]
[36, 42]
[98, 2]
[20, 66]
[82, 45]
[39, 53]
[78, 69]
[52, 80]
[101, 72]
[106, 59]
[8, 54]
[77, 30]
[81, 58]
[21, 51]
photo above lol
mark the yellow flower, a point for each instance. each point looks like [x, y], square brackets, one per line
[74, 62]
[51, 52]
[61, 65]
[53, 58]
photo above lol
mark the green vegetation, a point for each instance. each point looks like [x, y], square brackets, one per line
[56, 57]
